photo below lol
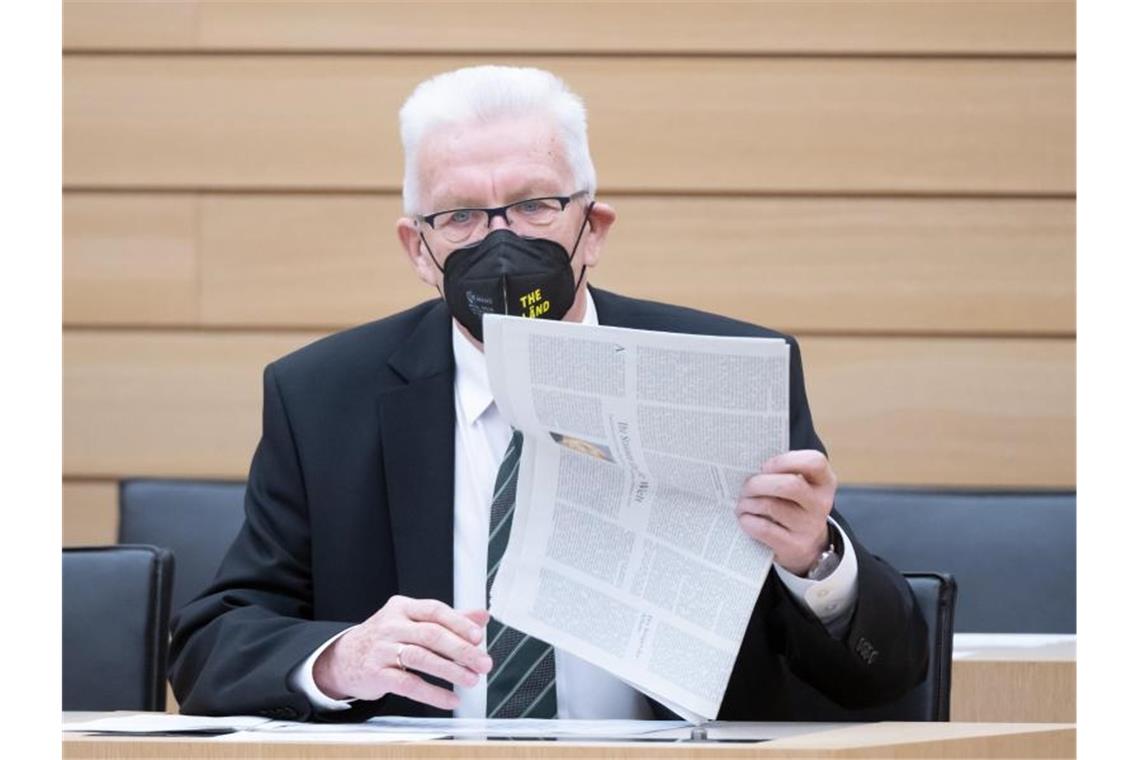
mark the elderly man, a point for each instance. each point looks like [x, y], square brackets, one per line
[358, 583]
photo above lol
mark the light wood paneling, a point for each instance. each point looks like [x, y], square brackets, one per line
[835, 266]
[135, 24]
[1023, 692]
[1014, 677]
[709, 124]
[893, 411]
[945, 412]
[762, 158]
[130, 259]
[835, 26]
[164, 404]
[304, 261]
[898, 265]
[90, 512]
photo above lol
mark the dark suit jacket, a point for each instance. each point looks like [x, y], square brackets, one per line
[349, 502]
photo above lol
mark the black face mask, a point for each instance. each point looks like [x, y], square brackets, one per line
[507, 274]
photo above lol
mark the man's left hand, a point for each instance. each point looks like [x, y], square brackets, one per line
[786, 505]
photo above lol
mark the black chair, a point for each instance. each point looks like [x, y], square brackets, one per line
[930, 700]
[1012, 553]
[116, 613]
[196, 520]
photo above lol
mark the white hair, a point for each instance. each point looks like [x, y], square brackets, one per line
[484, 94]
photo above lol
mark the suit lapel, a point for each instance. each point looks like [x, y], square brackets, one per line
[610, 307]
[417, 423]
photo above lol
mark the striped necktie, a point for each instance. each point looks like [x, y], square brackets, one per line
[521, 682]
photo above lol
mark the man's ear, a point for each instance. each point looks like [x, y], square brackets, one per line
[409, 234]
[601, 218]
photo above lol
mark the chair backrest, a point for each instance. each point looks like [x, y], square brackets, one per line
[116, 627]
[930, 700]
[1013, 554]
[196, 520]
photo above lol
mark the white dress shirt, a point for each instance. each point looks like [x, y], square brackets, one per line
[584, 691]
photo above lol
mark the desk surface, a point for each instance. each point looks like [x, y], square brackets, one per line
[865, 740]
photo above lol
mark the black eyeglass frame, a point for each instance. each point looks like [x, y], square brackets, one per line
[563, 202]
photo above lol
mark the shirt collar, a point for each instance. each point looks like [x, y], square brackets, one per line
[471, 382]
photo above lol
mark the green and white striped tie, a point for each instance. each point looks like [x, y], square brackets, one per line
[521, 682]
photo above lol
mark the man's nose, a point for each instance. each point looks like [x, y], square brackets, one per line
[497, 222]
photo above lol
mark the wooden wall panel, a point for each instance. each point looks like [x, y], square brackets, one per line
[170, 403]
[906, 411]
[746, 125]
[853, 264]
[303, 260]
[821, 27]
[891, 180]
[130, 259]
[946, 411]
[134, 24]
[804, 264]
[1015, 691]
[90, 512]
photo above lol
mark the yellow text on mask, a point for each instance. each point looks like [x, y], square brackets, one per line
[533, 305]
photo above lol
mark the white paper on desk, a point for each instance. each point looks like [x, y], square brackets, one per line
[624, 547]
[165, 723]
[338, 736]
[500, 727]
[740, 731]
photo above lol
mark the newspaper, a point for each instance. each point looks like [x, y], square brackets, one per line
[624, 547]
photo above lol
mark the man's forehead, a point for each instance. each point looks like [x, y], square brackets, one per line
[494, 162]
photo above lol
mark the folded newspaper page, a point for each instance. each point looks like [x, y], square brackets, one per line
[624, 548]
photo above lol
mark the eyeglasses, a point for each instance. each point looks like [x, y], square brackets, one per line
[459, 225]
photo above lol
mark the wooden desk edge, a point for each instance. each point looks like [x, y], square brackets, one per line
[894, 740]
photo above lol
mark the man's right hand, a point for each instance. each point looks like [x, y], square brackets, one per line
[424, 635]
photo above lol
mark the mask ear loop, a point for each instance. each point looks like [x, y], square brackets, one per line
[430, 252]
[574, 251]
[433, 260]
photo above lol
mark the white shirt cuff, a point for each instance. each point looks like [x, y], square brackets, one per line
[831, 599]
[301, 679]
